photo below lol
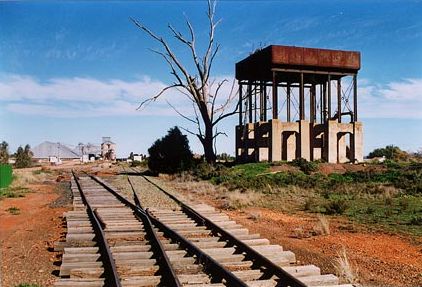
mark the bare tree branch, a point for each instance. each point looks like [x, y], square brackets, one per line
[219, 85]
[153, 99]
[180, 114]
[195, 83]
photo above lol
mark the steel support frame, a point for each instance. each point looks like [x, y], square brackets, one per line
[275, 96]
[240, 104]
[355, 98]
[301, 99]
[288, 104]
[339, 100]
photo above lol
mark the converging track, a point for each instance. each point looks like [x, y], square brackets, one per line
[113, 241]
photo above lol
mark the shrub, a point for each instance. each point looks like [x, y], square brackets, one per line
[416, 220]
[238, 200]
[309, 204]
[336, 206]
[205, 171]
[389, 152]
[171, 153]
[136, 163]
[306, 166]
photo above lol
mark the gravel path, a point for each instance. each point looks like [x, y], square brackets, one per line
[150, 196]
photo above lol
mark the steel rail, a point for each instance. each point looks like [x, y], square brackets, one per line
[111, 277]
[169, 275]
[286, 279]
[217, 271]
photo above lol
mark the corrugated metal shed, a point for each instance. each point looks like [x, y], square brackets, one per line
[47, 149]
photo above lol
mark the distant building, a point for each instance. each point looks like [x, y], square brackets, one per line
[53, 151]
[56, 152]
[87, 149]
[108, 149]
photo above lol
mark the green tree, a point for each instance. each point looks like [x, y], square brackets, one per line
[389, 152]
[23, 157]
[171, 153]
[4, 152]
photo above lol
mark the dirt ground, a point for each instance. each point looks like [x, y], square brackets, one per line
[379, 258]
[26, 239]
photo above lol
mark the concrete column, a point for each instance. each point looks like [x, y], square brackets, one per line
[341, 148]
[357, 142]
[331, 141]
[275, 140]
[290, 151]
[250, 140]
[317, 150]
[304, 134]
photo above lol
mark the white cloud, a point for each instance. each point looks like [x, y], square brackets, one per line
[88, 97]
[395, 100]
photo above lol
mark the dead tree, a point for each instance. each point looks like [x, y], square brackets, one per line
[196, 84]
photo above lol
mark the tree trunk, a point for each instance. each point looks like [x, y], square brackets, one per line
[208, 144]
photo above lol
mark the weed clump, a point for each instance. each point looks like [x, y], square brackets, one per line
[416, 220]
[323, 226]
[336, 206]
[344, 268]
[14, 210]
[306, 166]
[238, 199]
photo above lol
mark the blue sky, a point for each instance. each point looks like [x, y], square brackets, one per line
[75, 71]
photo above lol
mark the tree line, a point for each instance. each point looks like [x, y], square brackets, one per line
[22, 156]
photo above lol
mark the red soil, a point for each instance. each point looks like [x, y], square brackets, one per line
[380, 259]
[25, 238]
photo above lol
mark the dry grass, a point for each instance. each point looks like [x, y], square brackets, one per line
[238, 200]
[323, 226]
[255, 215]
[344, 268]
[23, 177]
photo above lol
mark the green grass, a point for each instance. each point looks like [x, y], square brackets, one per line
[389, 197]
[402, 213]
[27, 285]
[41, 171]
[13, 192]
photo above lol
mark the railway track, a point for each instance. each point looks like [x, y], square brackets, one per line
[112, 240]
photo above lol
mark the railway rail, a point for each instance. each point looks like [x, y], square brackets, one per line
[113, 240]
